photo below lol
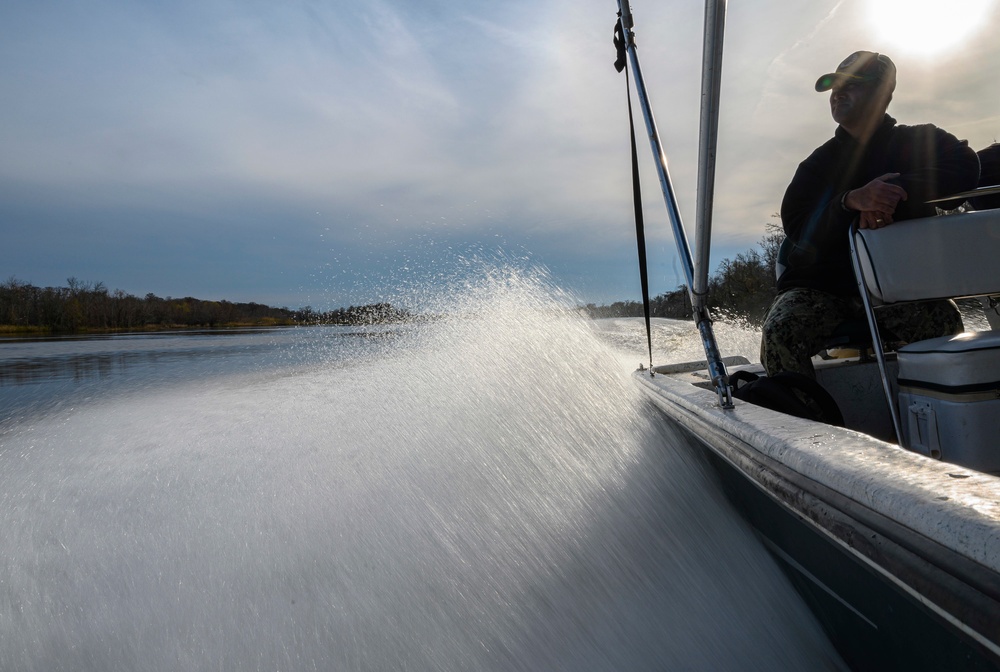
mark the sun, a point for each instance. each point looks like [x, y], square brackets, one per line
[926, 27]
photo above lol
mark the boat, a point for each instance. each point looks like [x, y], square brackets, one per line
[888, 526]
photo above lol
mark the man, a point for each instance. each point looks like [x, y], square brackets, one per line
[873, 171]
[989, 162]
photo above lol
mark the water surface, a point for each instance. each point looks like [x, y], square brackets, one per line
[483, 492]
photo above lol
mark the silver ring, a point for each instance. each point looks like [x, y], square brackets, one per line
[878, 221]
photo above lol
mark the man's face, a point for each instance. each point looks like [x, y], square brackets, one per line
[853, 102]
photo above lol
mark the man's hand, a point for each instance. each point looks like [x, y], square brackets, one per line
[876, 201]
[874, 220]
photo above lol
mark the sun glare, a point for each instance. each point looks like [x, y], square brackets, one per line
[927, 27]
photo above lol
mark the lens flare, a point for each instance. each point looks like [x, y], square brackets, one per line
[927, 27]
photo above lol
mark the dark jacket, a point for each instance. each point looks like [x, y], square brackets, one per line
[989, 162]
[931, 163]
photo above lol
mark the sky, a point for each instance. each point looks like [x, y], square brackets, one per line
[323, 153]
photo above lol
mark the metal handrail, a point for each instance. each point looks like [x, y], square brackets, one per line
[708, 141]
[876, 336]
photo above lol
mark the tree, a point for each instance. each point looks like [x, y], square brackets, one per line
[743, 287]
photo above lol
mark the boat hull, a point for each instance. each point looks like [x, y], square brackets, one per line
[889, 596]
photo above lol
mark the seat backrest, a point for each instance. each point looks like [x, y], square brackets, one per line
[948, 256]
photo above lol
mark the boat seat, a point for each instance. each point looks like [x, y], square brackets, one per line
[943, 257]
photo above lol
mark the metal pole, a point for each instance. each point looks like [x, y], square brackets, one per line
[876, 336]
[711, 86]
[716, 367]
[673, 212]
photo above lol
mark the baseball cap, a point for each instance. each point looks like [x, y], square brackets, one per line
[861, 66]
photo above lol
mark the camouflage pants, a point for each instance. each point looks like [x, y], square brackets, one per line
[801, 320]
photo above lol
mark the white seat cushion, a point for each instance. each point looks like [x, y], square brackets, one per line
[971, 358]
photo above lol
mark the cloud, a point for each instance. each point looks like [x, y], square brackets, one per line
[237, 144]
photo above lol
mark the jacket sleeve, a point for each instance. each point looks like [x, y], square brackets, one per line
[933, 163]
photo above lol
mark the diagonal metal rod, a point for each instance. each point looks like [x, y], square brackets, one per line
[876, 336]
[716, 367]
[673, 211]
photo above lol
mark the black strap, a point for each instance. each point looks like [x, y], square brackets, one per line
[741, 377]
[640, 234]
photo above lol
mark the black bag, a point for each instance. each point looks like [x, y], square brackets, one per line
[784, 392]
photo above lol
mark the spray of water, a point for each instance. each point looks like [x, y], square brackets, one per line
[485, 492]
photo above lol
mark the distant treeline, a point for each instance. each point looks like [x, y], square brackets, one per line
[90, 307]
[743, 287]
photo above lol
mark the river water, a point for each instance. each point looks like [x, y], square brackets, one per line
[485, 491]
